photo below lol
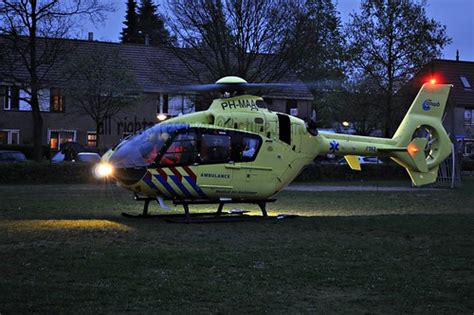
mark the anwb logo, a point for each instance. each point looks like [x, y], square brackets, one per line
[427, 104]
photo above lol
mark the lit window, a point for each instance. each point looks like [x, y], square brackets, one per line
[3, 137]
[9, 136]
[58, 137]
[56, 101]
[465, 82]
[91, 139]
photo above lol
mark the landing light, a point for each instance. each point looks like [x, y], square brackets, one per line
[102, 170]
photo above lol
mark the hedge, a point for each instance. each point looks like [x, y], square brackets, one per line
[468, 165]
[46, 173]
[315, 172]
[26, 149]
[80, 173]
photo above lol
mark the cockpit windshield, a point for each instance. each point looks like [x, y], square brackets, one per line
[142, 149]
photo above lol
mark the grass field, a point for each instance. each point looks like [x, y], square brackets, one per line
[67, 249]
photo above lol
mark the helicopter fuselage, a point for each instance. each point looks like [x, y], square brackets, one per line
[237, 149]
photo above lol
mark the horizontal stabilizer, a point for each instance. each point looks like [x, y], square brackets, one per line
[416, 150]
[353, 161]
[419, 178]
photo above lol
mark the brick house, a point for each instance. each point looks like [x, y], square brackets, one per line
[459, 119]
[159, 74]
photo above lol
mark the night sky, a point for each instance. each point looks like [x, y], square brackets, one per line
[457, 15]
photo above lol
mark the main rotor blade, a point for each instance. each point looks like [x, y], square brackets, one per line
[230, 87]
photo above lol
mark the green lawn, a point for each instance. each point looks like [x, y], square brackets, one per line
[66, 248]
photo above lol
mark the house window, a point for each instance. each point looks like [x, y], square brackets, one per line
[165, 104]
[290, 104]
[56, 101]
[9, 97]
[174, 105]
[468, 116]
[3, 137]
[9, 136]
[91, 139]
[5, 97]
[14, 99]
[465, 82]
[57, 137]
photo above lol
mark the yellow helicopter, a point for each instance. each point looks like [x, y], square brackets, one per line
[238, 151]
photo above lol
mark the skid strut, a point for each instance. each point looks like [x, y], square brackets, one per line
[188, 217]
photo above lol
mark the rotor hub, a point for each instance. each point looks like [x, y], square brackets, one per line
[231, 80]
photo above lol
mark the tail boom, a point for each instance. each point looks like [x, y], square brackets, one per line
[419, 155]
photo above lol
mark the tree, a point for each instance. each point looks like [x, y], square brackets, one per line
[130, 33]
[253, 39]
[100, 84]
[26, 29]
[358, 104]
[390, 40]
[151, 24]
[320, 28]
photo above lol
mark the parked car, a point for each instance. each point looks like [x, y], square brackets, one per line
[86, 157]
[363, 160]
[11, 156]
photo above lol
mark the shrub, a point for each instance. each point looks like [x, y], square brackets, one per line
[26, 149]
[46, 173]
[467, 165]
[316, 172]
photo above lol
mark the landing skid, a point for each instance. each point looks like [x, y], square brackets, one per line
[200, 217]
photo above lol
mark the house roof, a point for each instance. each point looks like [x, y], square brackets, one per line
[449, 71]
[157, 69]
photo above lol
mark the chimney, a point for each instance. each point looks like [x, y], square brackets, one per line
[90, 36]
[457, 55]
[147, 40]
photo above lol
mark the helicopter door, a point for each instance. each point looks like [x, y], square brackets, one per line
[214, 154]
[251, 176]
[284, 128]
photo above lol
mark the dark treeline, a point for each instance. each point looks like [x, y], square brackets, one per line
[365, 61]
[353, 70]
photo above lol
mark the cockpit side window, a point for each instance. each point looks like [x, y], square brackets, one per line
[250, 148]
[245, 147]
[215, 148]
[181, 151]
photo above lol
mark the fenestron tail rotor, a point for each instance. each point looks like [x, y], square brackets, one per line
[432, 145]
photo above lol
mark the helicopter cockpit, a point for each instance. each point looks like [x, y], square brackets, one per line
[180, 144]
[142, 149]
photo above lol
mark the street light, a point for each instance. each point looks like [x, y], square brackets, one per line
[161, 117]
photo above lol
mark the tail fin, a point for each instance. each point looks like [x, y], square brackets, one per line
[422, 133]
